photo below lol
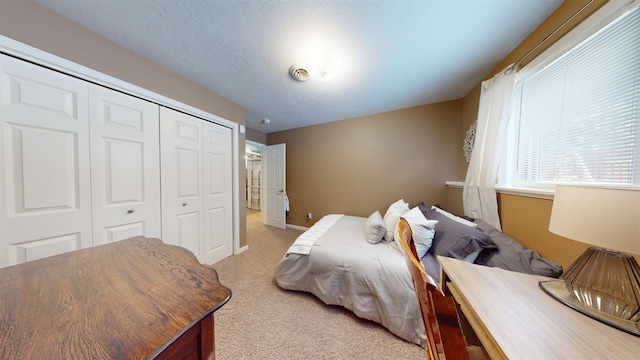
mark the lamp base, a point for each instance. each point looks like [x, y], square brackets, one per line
[558, 290]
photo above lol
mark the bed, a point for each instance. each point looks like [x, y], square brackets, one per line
[354, 261]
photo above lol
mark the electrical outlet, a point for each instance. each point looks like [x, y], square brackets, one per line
[309, 216]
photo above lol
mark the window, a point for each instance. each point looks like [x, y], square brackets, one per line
[577, 119]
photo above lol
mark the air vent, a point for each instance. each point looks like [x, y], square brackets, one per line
[298, 74]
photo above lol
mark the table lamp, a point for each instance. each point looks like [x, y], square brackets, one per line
[604, 282]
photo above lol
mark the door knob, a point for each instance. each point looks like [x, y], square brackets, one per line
[184, 204]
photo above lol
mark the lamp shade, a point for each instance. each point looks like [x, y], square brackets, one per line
[601, 216]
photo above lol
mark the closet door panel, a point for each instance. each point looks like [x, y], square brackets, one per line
[42, 154]
[44, 163]
[40, 248]
[182, 200]
[187, 168]
[188, 230]
[218, 236]
[125, 166]
[121, 232]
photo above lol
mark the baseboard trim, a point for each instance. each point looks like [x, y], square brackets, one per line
[296, 227]
[241, 250]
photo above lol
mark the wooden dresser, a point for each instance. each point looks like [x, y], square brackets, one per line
[133, 299]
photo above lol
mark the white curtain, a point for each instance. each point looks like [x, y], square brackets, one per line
[479, 194]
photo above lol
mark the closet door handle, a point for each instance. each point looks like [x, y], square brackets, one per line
[130, 211]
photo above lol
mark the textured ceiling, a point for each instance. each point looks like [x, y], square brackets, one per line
[392, 54]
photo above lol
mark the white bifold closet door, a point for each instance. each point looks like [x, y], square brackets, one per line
[79, 164]
[125, 166]
[196, 186]
[45, 189]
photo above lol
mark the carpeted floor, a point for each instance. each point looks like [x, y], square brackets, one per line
[262, 321]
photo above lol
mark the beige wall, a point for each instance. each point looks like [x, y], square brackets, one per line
[257, 136]
[527, 219]
[360, 165]
[35, 25]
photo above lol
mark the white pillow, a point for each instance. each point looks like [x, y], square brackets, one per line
[422, 230]
[392, 216]
[374, 228]
[454, 217]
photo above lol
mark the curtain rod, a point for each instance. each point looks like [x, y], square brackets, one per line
[517, 63]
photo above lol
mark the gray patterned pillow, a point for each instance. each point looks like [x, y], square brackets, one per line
[454, 239]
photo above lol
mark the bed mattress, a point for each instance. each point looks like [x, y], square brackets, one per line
[373, 281]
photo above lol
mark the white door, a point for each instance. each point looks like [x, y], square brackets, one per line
[196, 176]
[218, 217]
[274, 187]
[45, 194]
[181, 177]
[125, 166]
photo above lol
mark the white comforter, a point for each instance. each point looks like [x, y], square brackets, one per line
[342, 268]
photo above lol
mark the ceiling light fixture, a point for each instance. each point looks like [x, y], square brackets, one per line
[266, 121]
[319, 68]
[298, 73]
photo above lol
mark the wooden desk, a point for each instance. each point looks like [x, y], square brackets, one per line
[133, 299]
[515, 319]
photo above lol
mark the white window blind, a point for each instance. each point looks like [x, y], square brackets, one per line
[578, 119]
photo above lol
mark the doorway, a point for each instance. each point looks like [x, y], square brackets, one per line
[253, 167]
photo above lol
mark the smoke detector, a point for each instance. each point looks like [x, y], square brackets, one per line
[298, 73]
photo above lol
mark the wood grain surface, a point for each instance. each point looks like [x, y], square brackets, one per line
[515, 319]
[125, 300]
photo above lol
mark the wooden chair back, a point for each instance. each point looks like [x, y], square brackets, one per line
[445, 339]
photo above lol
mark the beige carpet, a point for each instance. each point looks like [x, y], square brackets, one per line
[262, 321]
